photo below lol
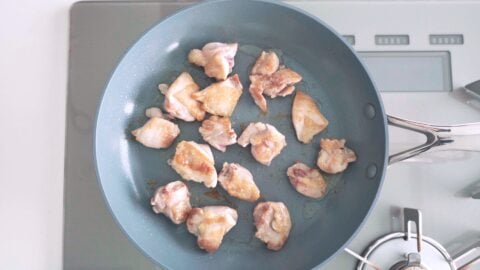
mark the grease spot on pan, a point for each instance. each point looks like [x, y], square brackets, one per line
[372, 170]
[369, 111]
[310, 209]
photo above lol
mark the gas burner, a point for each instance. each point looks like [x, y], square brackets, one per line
[411, 251]
[393, 252]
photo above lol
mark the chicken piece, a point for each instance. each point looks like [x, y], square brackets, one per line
[163, 88]
[307, 181]
[210, 224]
[172, 200]
[154, 112]
[256, 91]
[334, 156]
[218, 132]
[216, 58]
[238, 182]
[179, 102]
[267, 63]
[220, 98]
[273, 224]
[157, 133]
[267, 142]
[266, 79]
[157, 112]
[307, 118]
[194, 162]
[280, 83]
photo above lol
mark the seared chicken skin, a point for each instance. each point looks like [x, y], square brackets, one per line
[307, 181]
[216, 58]
[266, 78]
[279, 83]
[273, 224]
[178, 99]
[194, 162]
[218, 132]
[172, 200]
[157, 132]
[210, 224]
[266, 64]
[238, 182]
[220, 98]
[334, 156]
[267, 142]
[306, 117]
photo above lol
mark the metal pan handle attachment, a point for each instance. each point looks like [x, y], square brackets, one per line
[463, 137]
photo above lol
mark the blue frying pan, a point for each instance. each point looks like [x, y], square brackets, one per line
[332, 74]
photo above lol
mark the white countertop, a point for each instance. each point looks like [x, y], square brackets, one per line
[33, 80]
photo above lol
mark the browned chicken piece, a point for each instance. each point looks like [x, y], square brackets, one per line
[156, 133]
[172, 200]
[256, 91]
[220, 98]
[216, 58]
[280, 83]
[273, 224]
[334, 156]
[266, 79]
[238, 182]
[306, 117]
[307, 181]
[218, 132]
[194, 162]
[210, 224]
[267, 63]
[179, 102]
[267, 142]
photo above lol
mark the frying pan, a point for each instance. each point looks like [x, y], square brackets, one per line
[332, 74]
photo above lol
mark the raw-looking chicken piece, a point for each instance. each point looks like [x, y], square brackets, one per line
[307, 181]
[172, 200]
[220, 98]
[267, 142]
[210, 224]
[156, 132]
[273, 224]
[266, 78]
[194, 162]
[306, 117]
[334, 156]
[178, 99]
[238, 182]
[218, 132]
[217, 59]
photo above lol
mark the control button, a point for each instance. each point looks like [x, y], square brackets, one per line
[392, 40]
[453, 39]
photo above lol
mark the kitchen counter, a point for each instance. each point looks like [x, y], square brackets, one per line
[33, 81]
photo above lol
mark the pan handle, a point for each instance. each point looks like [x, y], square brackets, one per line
[463, 137]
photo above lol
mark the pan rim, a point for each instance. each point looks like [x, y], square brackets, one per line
[381, 113]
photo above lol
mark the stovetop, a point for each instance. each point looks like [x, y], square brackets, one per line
[100, 32]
